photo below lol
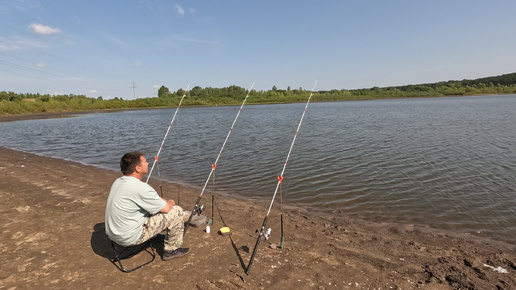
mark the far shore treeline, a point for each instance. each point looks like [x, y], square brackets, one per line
[17, 103]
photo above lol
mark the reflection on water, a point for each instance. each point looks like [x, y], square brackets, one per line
[443, 162]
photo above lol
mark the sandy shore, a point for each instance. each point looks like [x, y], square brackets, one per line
[52, 236]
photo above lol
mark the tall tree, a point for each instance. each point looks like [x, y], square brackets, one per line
[163, 92]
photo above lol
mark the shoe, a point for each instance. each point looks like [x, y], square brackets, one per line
[175, 254]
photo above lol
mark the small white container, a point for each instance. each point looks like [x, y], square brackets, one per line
[207, 229]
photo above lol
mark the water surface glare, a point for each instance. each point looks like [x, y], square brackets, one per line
[447, 163]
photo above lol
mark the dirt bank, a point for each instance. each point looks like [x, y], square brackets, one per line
[52, 236]
[36, 116]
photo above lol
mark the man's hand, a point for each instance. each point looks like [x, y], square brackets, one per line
[168, 206]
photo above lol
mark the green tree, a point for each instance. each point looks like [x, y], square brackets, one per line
[45, 98]
[180, 92]
[196, 91]
[163, 92]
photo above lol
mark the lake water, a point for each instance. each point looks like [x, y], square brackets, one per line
[447, 163]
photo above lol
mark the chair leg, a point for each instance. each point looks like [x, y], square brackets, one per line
[117, 260]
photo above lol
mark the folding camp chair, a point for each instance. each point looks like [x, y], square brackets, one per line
[130, 252]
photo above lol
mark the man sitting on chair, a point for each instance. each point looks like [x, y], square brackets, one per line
[135, 212]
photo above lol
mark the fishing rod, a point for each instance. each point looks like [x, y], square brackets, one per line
[166, 134]
[198, 209]
[280, 180]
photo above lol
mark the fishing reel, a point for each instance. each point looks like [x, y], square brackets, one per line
[268, 234]
[199, 209]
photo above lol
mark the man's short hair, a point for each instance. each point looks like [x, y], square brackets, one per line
[129, 161]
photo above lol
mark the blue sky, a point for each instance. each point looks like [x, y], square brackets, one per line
[99, 48]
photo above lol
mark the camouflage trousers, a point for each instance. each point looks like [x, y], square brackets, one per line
[172, 222]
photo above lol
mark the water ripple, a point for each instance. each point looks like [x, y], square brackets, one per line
[442, 162]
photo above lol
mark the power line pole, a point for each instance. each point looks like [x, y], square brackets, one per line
[134, 93]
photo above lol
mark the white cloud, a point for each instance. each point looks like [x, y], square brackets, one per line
[180, 10]
[43, 29]
[41, 65]
[17, 43]
[137, 63]
[156, 86]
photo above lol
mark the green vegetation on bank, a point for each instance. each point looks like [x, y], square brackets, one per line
[13, 103]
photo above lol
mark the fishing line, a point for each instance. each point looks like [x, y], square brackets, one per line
[166, 134]
[282, 239]
[212, 201]
[287, 189]
[280, 180]
[198, 209]
[160, 186]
